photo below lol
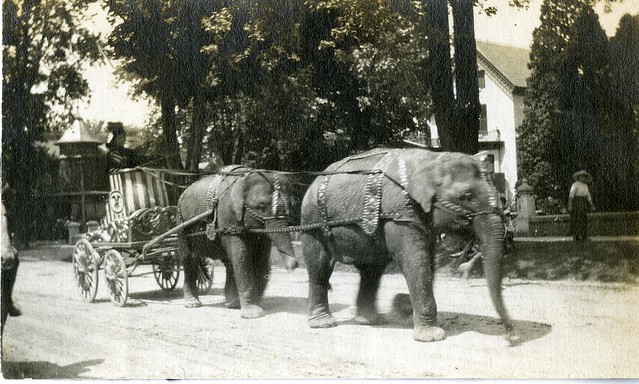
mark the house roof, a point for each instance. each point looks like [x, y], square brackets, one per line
[507, 62]
[77, 133]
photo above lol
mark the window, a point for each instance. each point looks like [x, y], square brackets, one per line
[481, 78]
[483, 120]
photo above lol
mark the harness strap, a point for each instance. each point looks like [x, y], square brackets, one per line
[373, 197]
[403, 181]
[464, 215]
[212, 198]
[322, 206]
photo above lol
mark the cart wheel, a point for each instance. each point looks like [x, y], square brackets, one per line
[85, 269]
[205, 276]
[116, 277]
[167, 272]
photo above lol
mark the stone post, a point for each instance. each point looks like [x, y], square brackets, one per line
[74, 231]
[525, 208]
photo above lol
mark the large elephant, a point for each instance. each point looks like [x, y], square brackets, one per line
[242, 200]
[389, 204]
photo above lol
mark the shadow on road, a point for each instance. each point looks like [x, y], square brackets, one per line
[161, 295]
[455, 323]
[45, 369]
[293, 305]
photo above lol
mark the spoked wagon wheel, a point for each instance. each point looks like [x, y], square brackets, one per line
[205, 275]
[117, 277]
[85, 269]
[167, 272]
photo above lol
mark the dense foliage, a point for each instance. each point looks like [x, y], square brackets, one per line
[44, 49]
[274, 83]
[575, 117]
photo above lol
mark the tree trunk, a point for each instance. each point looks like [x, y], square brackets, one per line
[441, 72]
[169, 134]
[466, 84]
[198, 129]
[171, 146]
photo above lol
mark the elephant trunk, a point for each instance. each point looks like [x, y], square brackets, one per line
[490, 230]
[281, 239]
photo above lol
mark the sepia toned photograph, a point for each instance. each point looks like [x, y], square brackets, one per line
[320, 189]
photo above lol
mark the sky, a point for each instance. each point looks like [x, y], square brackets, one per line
[110, 101]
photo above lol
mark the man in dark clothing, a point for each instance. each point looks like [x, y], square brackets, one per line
[10, 264]
[119, 157]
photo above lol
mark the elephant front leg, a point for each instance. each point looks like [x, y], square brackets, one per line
[416, 261]
[230, 287]
[319, 269]
[238, 252]
[191, 268]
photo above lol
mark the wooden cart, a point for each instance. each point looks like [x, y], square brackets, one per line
[139, 229]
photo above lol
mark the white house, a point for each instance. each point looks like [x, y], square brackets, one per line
[502, 72]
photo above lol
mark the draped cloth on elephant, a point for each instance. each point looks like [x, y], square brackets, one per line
[372, 189]
[373, 196]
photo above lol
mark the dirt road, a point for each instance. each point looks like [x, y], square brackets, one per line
[568, 329]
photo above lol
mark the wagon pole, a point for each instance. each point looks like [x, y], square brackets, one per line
[173, 230]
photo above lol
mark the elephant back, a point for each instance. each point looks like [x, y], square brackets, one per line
[363, 186]
[204, 193]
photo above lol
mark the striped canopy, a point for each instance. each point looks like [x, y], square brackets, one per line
[133, 189]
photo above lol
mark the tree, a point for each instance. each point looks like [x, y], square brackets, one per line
[160, 43]
[375, 55]
[568, 109]
[44, 49]
[456, 103]
[622, 128]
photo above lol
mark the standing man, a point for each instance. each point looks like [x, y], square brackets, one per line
[579, 204]
[9, 267]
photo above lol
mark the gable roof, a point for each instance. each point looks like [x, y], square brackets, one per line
[508, 63]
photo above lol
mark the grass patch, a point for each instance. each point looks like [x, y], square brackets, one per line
[605, 261]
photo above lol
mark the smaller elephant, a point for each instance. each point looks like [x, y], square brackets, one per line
[243, 201]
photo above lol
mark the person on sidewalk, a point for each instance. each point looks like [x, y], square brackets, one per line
[579, 204]
[10, 264]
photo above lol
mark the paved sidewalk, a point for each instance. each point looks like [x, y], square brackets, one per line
[552, 239]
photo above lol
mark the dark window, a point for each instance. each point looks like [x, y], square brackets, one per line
[481, 78]
[483, 120]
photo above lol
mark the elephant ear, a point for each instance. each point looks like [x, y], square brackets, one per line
[423, 176]
[238, 194]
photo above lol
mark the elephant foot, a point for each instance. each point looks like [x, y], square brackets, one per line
[192, 303]
[512, 336]
[291, 264]
[468, 266]
[402, 305]
[428, 333]
[322, 320]
[464, 269]
[370, 319]
[252, 311]
[232, 304]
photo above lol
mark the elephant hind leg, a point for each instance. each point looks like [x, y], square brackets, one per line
[320, 268]
[370, 276]
[191, 266]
